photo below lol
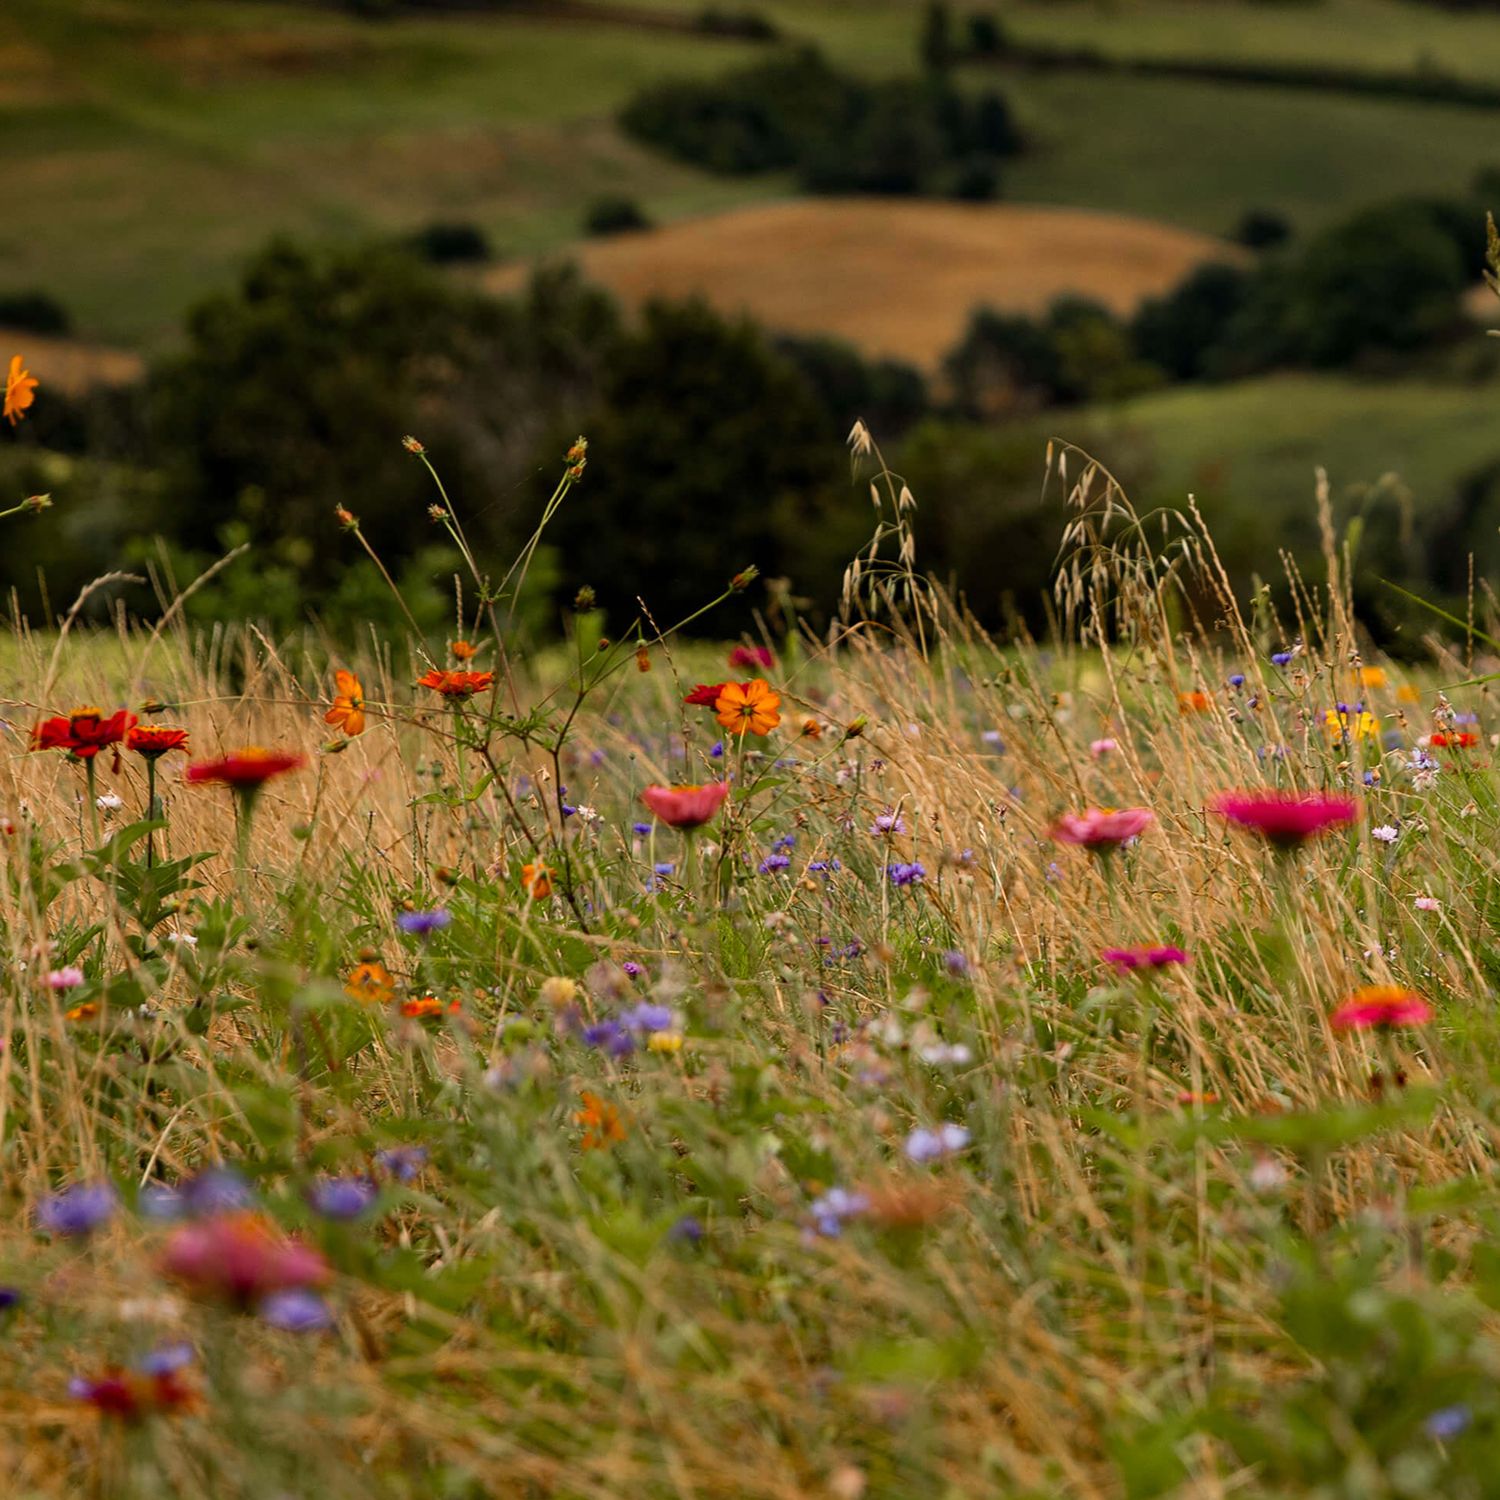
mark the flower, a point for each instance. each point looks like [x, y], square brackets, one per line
[774, 863]
[241, 1258]
[906, 874]
[428, 1008]
[1281, 658]
[423, 923]
[829, 1211]
[609, 1036]
[154, 1385]
[888, 822]
[1380, 1007]
[20, 390]
[78, 1210]
[404, 1163]
[1286, 820]
[1386, 833]
[348, 710]
[342, 1197]
[924, 1145]
[463, 650]
[216, 1190]
[1460, 740]
[152, 740]
[601, 1122]
[751, 657]
[65, 979]
[88, 1011]
[244, 771]
[1447, 1422]
[1372, 677]
[371, 982]
[1100, 748]
[1193, 703]
[664, 1041]
[536, 880]
[705, 695]
[1346, 725]
[83, 733]
[748, 707]
[1427, 903]
[686, 806]
[456, 684]
[1101, 830]
[295, 1310]
[1127, 960]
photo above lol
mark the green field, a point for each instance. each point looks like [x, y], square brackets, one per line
[150, 152]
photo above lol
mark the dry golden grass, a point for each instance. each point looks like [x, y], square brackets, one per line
[71, 366]
[897, 277]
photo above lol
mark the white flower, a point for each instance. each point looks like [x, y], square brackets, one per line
[1267, 1175]
[185, 939]
[1387, 833]
[589, 814]
[945, 1054]
[109, 802]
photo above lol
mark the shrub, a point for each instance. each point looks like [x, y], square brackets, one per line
[746, 25]
[33, 312]
[614, 215]
[1262, 229]
[450, 243]
[1182, 332]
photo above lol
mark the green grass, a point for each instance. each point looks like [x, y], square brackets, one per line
[1378, 35]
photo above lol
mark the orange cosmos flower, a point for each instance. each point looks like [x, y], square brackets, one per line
[370, 982]
[463, 650]
[1193, 703]
[20, 390]
[83, 733]
[601, 1122]
[428, 1008]
[85, 1012]
[536, 880]
[152, 740]
[348, 710]
[456, 684]
[750, 707]
[244, 770]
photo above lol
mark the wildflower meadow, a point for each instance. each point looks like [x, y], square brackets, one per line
[878, 1062]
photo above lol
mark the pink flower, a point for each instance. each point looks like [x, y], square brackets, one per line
[1286, 819]
[1428, 903]
[751, 658]
[1380, 1007]
[1127, 960]
[686, 806]
[65, 979]
[1100, 748]
[1101, 830]
[241, 1257]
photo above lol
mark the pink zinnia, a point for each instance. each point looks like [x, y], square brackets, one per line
[751, 658]
[1100, 830]
[686, 806]
[241, 1257]
[1126, 960]
[1378, 1007]
[1286, 819]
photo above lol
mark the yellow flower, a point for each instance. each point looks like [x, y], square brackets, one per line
[665, 1041]
[1350, 728]
[558, 992]
[1372, 677]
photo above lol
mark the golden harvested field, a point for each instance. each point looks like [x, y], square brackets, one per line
[70, 365]
[895, 276]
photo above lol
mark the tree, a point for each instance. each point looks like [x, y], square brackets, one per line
[1183, 331]
[937, 37]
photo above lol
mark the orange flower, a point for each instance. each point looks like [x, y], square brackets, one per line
[463, 650]
[748, 707]
[370, 982]
[348, 709]
[85, 1012]
[456, 684]
[1192, 703]
[84, 733]
[244, 770]
[642, 659]
[811, 729]
[428, 1008]
[601, 1122]
[20, 390]
[152, 740]
[536, 880]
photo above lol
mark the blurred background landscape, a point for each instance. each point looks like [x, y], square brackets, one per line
[1216, 243]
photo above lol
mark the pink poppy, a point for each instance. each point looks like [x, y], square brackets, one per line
[1100, 830]
[1286, 819]
[686, 806]
[1379, 1007]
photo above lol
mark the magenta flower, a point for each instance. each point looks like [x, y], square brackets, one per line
[241, 1257]
[1101, 830]
[686, 806]
[1127, 960]
[1380, 1007]
[1286, 820]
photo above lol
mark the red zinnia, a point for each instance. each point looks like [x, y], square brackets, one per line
[1379, 1007]
[686, 806]
[151, 741]
[751, 657]
[83, 733]
[1286, 819]
[241, 1257]
[706, 694]
[1458, 740]
[244, 770]
[456, 684]
[1101, 829]
[1126, 960]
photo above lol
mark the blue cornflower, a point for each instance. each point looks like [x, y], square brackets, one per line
[641, 828]
[423, 923]
[1236, 679]
[664, 868]
[786, 841]
[924, 1145]
[647, 1017]
[906, 874]
[80, 1209]
[774, 862]
[716, 749]
[823, 867]
[888, 822]
[630, 966]
[831, 1210]
[296, 1310]
[342, 1197]
[404, 1163]
[686, 1231]
[1447, 1422]
[166, 1359]
[610, 1037]
[1280, 658]
[955, 962]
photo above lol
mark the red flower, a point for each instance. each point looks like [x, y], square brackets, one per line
[751, 657]
[456, 684]
[245, 770]
[241, 1257]
[1286, 819]
[706, 694]
[133, 1395]
[84, 733]
[151, 741]
[686, 806]
[1459, 740]
[1126, 960]
[1101, 830]
[1380, 1007]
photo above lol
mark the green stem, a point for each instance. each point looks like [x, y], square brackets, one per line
[150, 809]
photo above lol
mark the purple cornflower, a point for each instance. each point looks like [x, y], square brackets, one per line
[686, 1231]
[80, 1209]
[716, 749]
[824, 867]
[630, 966]
[610, 1037]
[904, 874]
[829, 1211]
[404, 1163]
[342, 1197]
[1280, 658]
[296, 1310]
[423, 923]
[10, 1296]
[166, 1360]
[217, 1190]
[641, 828]
[774, 862]
[924, 1145]
[786, 841]
[956, 963]
[888, 822]
[1236, 679]
[1447, 1422]
[647, 1017]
